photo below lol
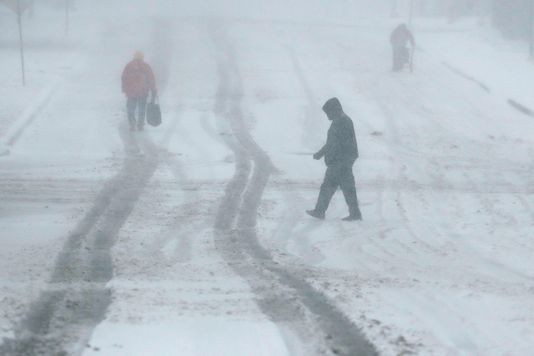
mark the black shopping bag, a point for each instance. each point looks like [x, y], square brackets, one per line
[153, 113]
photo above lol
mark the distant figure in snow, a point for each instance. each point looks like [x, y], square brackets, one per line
[399, 40]
[340, 153]
[137, 81]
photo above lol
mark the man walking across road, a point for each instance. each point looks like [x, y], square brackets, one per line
[137, 81]
[340, 153]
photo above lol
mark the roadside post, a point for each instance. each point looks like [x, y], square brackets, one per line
[531, 29]
[21, 43]
[67, 17]
[411, 13]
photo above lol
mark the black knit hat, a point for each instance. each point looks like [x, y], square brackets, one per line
[332, 106]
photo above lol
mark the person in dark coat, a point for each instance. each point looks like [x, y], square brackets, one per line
[340, 152]
[400, 37]
[137, 81]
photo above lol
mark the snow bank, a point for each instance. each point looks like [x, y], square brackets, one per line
[208, 336]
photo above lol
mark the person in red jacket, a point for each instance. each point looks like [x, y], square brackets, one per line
[137, 81]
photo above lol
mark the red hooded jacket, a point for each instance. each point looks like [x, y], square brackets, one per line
[138, 79]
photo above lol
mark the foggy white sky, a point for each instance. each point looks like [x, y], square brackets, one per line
[279, 9]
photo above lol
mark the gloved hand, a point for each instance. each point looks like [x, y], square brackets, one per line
[317, 156]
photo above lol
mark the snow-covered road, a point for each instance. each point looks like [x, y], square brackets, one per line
[190, 239]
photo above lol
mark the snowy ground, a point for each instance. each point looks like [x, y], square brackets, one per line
[190, 238]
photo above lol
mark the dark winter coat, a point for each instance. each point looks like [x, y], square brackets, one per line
[138, 79]
[341, 148]
[401, 36]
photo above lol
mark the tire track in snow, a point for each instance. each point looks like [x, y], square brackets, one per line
[64, 315]
[504, 183]
[448, 321]
[60, 321]
[283, 296]
[182, 250]
[489, 206]
[398, 170]
[447, 318]
[177, 235]
[310, 133]
[381, 191]
[294, 200]
[488, 202]
[473, 188]
[433, 233]
[378, 245]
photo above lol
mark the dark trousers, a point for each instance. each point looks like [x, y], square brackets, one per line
[342, 177]
[401, 56]
[131, 105]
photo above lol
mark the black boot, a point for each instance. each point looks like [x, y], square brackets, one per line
[353, 217]
[315, 214]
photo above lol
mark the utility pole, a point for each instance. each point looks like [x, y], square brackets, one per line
[411, 13]
[21, 43]
[531, 28]
[67, 15]
[394, 11]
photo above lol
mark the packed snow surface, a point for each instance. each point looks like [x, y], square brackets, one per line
[158, 235]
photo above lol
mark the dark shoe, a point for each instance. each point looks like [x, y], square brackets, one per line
[352, 218]
[315, 214]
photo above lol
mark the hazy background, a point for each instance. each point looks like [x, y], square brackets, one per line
[513, 18]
